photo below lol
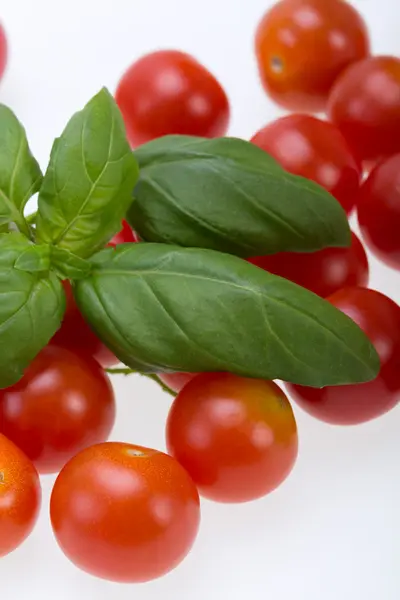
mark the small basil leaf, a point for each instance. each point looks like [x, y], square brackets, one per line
[68, 265]
[31, 309]
[88, 185]
[159, 307]
[226, 194]
[20, 175]
[36, 258]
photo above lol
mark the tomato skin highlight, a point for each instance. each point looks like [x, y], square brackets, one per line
[364, 105]
[124, 513]
[303, 45]
[176, 381]
[3, 51]
[63, 403]
[323, 272]
[236, 437]
[20, 496]
[315, 149]
[378, 211]
[379, 317]
[170, 92]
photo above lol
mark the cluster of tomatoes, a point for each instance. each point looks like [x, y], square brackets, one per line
[128, 513]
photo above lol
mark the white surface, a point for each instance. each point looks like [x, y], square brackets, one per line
[332, 531]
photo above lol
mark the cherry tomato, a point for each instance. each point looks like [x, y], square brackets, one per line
[379, 318]
[76, 335]
[378, 210]
[364, 105]
[176, 381]
[20, 496]
[169, 92]
[323, 272]
[124, 513]
[303, 45]
[3, 51]
[236, 437]
[314, 149]
[124, 236]
[63, 404]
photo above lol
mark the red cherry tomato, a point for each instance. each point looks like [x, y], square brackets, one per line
[364, 105]
[379, 318]
[236, 437]
[126, 235]
[314, 149]
[323, 272]
[169, 92]
[63, 404]
[124, 513]
[378, 210]
[303, 45]
[20, 496]
[3, 51]
[176, 381]
[76, 335]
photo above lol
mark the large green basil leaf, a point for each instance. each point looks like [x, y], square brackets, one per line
[160, 307]
[89, 182]
[226, 194]
[32, 305]
[20, 175]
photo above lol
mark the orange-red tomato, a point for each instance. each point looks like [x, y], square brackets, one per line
[124, 513]
[236, 437]
[20, 496]
[379, 318]
[324, 272]
[303, 45]
[62, 404]
[176, 381]
[378, 208]
[314, 149]
[170, 92]
[364, 104]
[3, 51]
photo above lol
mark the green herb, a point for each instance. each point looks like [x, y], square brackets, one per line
[228, 195]
[167, 308]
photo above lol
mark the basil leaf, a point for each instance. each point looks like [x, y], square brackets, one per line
[159, 307]
[20, 175]
[34, 258]
[226, 194]
[88, 185]
[68, 265]
[31, 309]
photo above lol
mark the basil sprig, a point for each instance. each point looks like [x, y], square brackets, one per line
[185, 303]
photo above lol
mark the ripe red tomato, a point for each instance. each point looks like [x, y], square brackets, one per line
[126, 235]
[323, 272]
[236, 437]
[169, 92]
[378, 210]
[20, 496]
[76, 335]
[124, 513]
[314, 149]
[303, 45]
[63, 404]
[176, 381]
[364, 105]
[3, 51]
[379, 318]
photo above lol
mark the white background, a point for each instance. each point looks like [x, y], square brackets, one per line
[332, 531]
